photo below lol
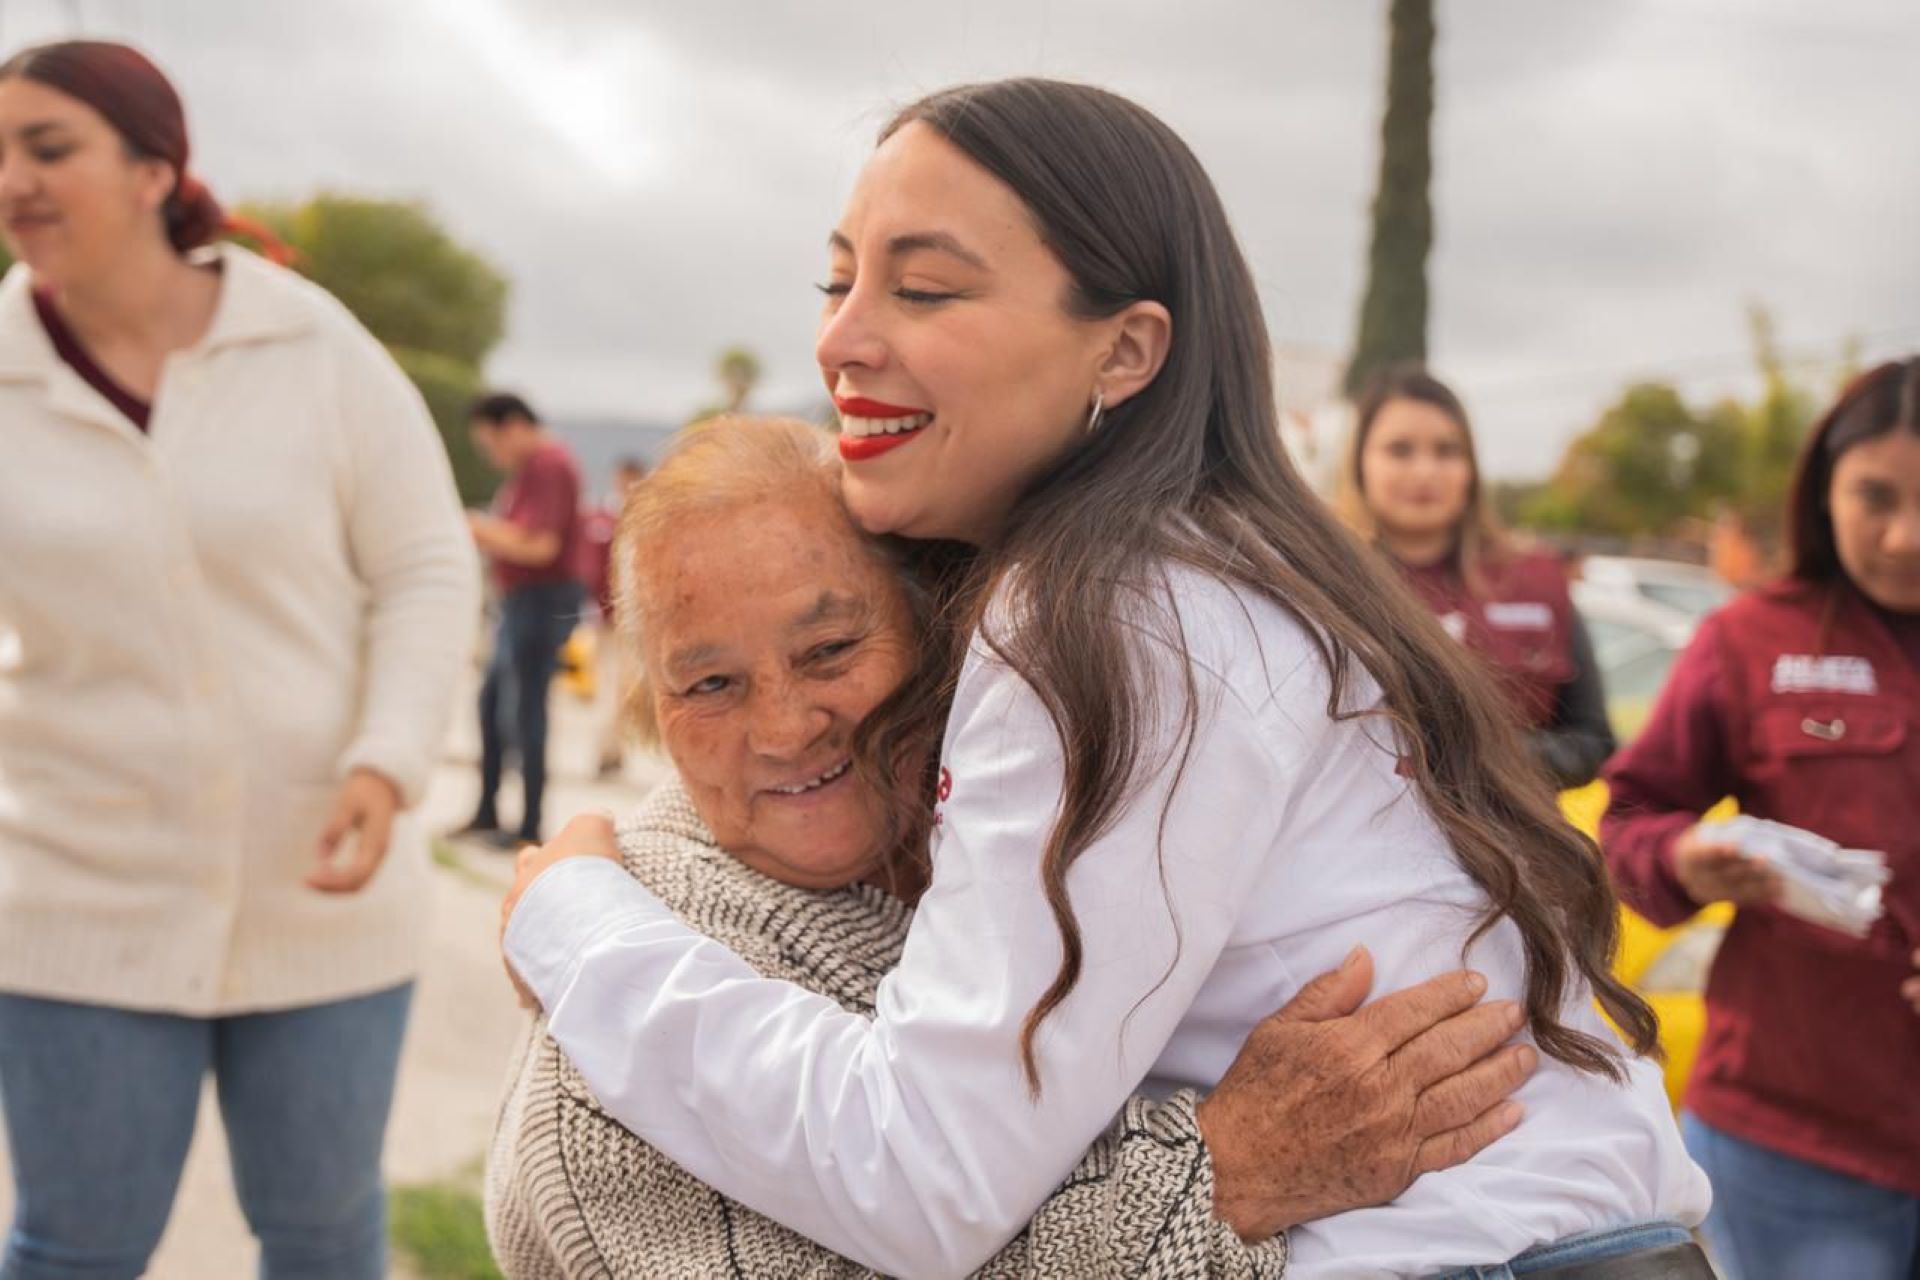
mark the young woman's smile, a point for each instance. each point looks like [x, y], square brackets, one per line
[959, 373]
[869, 428]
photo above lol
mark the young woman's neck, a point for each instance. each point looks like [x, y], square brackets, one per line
[1419, 550]
[147, 295]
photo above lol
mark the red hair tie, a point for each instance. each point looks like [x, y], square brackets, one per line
[265, 243]
[192, 203]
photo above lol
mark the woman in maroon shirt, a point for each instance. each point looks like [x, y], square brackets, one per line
[1413, 489]
[1802, 701]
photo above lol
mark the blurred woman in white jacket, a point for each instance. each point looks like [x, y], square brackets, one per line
[235, 589]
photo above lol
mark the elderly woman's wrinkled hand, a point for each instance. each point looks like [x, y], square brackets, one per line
[1332, 1107]
[590, 835]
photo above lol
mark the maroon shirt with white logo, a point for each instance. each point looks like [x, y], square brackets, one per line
[544, 494]
[1803, 704]
[1524, 625]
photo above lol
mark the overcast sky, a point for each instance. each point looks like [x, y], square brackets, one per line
[1615, 179]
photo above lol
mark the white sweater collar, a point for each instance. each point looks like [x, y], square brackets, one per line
[259, 302]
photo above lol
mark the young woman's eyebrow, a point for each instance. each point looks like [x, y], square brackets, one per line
[917, 242]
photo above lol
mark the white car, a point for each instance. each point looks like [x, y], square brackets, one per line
[1682, 588]
[1640, 614]
[1635, 642]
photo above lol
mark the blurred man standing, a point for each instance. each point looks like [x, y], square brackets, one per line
[531, 539]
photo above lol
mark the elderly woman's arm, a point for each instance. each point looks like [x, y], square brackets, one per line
[1141, 1203]
[568, 1193]
[1304, 1123]
[1147, 1200]
[910, 1140]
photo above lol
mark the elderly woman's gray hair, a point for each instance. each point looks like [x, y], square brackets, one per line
[723, 464]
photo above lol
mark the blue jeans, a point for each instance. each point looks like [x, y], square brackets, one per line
[534, 623]
[100, 1104]
[1774, 1215]
[1590, 1246]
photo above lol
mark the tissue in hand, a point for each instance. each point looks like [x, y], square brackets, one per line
[1825, 884]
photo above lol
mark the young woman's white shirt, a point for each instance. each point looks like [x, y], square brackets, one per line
[909, 1141]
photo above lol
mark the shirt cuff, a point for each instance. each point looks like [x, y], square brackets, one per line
[1670, 904]
[405, 769]
[571, 906]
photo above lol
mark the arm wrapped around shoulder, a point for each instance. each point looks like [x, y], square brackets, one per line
[1139, 1204]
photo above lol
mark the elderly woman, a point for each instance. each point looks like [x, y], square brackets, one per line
[738, 549]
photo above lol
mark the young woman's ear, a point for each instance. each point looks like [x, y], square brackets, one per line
[1142, 336]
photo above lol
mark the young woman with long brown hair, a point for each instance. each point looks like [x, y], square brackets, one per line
[1801, 700]
[1412, 488]
[738, 535]
[1198, 744]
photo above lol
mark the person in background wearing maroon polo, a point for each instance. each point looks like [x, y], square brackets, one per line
[1801, 700]
[532, 539]
[1412, 488]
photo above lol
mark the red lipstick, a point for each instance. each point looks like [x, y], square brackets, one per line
[861, 448]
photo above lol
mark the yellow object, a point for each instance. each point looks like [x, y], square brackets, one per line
[576, 664]
[1668, 967]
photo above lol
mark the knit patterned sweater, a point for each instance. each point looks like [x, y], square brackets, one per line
[571, 1195]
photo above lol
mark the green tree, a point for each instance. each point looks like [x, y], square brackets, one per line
[739, 371]
[1513, 500]
[438, 306]
[1771, 430]
[398, 271]
[1393, 311]
[1649, 463]
[450, 388]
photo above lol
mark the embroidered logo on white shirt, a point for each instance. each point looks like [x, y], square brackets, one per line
[1519, 615]
[1812, 673]
[945, 790]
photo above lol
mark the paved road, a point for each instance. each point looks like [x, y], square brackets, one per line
[464, 1018]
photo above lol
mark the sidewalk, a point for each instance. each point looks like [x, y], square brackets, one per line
[464, 1020]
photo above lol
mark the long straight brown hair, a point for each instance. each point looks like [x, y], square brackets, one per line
[1191, 471]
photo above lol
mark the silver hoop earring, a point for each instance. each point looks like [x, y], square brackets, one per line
[1099, 407]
